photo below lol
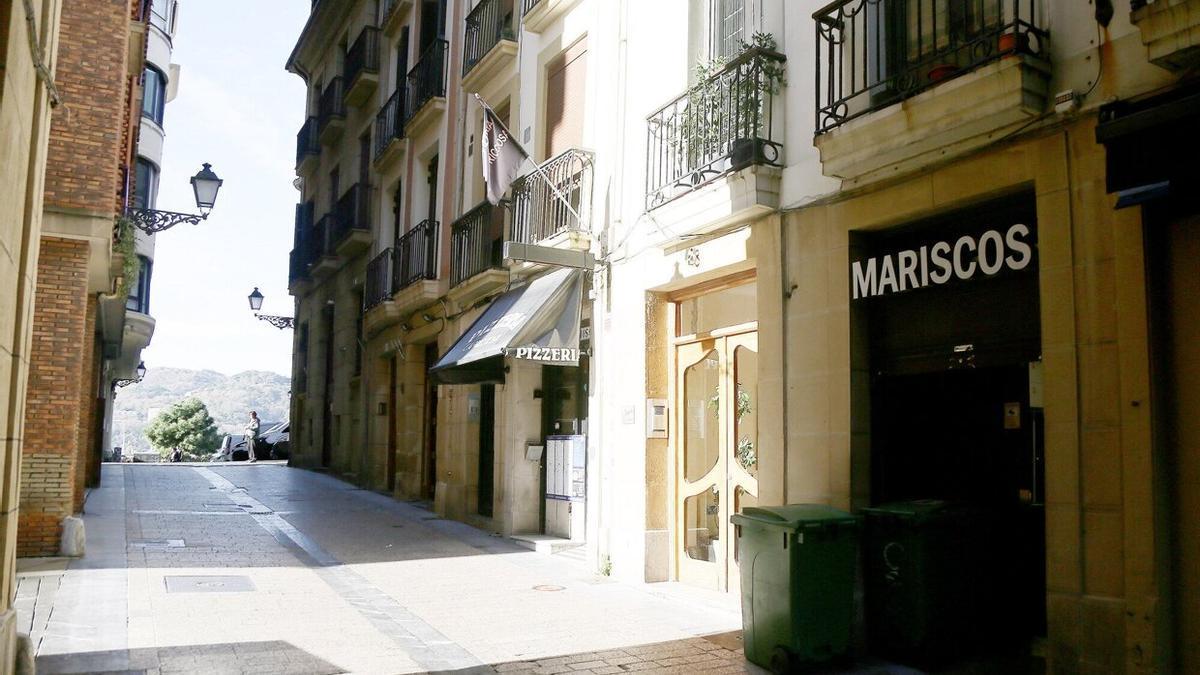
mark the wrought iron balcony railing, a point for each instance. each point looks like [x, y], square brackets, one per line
[719, 125]
[379, 287]
[363, 55]
[538, 213]
[427, 79]
[490, 22]
[528, 5]
[353, 212]
[320, 240]
[297, 265]
[302, 231]
[416, 255]
[307, 142]
[389, 123]
[477, 242]
[332, 106]
[873, 53]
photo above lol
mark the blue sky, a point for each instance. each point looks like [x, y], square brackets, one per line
[239, 110]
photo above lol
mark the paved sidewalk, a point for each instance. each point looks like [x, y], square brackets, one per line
[266, 569]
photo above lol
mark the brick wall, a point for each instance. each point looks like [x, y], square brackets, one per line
[56, 384]
[90, 139]
[87, 402]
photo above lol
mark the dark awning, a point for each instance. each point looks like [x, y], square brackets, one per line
[538, 321]
[1152, 142]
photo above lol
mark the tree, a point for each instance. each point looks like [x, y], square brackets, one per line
[187, 426]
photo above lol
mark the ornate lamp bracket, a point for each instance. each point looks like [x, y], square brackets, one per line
[152, 221]
[280, 322]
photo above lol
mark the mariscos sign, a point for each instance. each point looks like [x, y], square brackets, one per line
[940, 263]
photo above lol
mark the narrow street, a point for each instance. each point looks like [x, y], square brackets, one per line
[269, 569]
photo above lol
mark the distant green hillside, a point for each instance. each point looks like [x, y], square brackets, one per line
[229, 400]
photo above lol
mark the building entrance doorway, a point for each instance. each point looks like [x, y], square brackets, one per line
[716, 432]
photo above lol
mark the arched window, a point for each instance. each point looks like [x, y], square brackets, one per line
[154, 94]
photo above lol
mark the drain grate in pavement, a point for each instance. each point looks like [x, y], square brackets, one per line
[156, 543]
[209, 584]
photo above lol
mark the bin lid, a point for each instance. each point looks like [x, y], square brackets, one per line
[794, 516]
[916, 509]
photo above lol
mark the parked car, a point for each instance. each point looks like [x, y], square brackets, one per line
[273, 443]
[232, 449]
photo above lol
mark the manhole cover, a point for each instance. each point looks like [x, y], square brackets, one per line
[156, 543]
[209, 584]
[549, 588]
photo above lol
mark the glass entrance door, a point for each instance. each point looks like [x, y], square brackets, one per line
[716, 432]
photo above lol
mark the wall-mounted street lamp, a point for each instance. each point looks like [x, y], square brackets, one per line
[280, 322]
[205, 184]
[141, 373]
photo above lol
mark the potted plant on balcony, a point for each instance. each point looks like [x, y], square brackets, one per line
[727, 106]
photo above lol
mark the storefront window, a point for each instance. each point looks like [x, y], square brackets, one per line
[719, 309]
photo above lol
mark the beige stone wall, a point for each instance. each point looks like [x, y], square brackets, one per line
[1182, 429]
[1102, 593]
[24, 128]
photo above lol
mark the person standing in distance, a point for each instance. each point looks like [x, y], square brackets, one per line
[251, 435]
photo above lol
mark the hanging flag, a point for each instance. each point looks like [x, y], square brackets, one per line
[502, 155]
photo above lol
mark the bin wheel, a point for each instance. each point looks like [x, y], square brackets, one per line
[781, 660]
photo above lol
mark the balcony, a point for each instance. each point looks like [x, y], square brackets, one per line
[379, 280]
[308, 147]
[721, 127]
[321, 258]
[477, 254]
[489, 43]
[302, 252]
[389, 131]
[426, 95]
[416, 255]
[352, 226]
[1170, 30]
[297, 268]
[540, 216]
[903, 84]
[331, 111]
[538, 15]
[362, 67]
[393, 12]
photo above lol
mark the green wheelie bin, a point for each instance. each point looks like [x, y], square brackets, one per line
[797, 567]
[926, 572]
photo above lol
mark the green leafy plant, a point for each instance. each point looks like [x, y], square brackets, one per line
[727, 106]
[125, 245]
[187, 426]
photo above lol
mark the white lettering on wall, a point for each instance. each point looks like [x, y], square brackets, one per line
[989, 254]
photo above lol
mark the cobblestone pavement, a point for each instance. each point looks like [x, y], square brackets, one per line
[267, 569]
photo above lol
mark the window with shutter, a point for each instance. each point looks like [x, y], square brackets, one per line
[566, 96]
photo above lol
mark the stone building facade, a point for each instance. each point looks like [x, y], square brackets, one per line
[958, 274]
